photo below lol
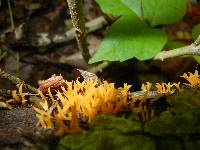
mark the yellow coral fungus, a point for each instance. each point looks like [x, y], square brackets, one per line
[81, 99]
[22, 94]
[193, 79]
[18, 97]
[15, 96]
[44, 102]
[44, 118]
[74, 125]
[76, 100]
[140, 108]
[146, 87]
[165, 88]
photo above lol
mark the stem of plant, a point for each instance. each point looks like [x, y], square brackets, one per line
[193, 49]
[11, 15]
[76, 11]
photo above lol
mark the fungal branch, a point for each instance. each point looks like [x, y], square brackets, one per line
[76, 11]
[193, 49]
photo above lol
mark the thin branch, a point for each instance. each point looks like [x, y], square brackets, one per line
[17, 81]
[69, 35]
[5, 92]
[76, 11]
[193, 49]
[40, 59]
[45, 38]
[11, 15]
[150, 94]
[98, 67]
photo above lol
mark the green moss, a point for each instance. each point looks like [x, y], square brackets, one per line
[120, 124]
[109, 132]
[192, 143]
[176, 122]
[169, 143]
[106, 140]
[188, 99]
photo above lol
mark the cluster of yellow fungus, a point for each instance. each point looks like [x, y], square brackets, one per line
[166, 88]
[193, 79]
[80, 99]
[83, 100]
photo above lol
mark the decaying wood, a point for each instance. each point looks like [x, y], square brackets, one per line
[54, 83]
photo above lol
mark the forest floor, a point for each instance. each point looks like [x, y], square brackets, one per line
[33, 61]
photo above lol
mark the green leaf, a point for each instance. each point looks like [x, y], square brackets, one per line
[115, 7]
[127, 38]
[196, 31]
[161, 12]
[197, 58]
[134, 5]
[174, 44]
[195, 34]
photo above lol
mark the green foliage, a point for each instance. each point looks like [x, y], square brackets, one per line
[130, 36]
[197, 58]
[196, 31]
[174, 44]
[161, 12]
[134, 5]
[114, 7]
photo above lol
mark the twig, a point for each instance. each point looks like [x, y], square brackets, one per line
[193, 49]
[5, 92]
[98, 67]
[150, 94]
[17, 81]
[46, 39]
[11, 16]
[39, 59]
[76, 11]
[69, 35]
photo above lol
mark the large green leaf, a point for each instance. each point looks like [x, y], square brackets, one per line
[195, 34]
[196, 31]
[115, 7]
[134, 5]
[129, 37]
[160, 12]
